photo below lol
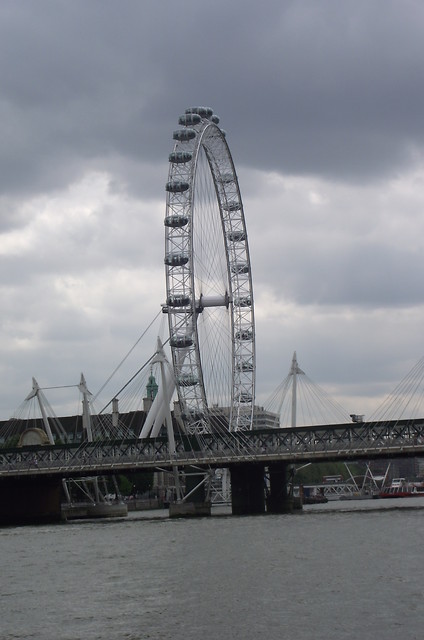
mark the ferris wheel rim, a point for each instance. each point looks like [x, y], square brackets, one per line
[201, 136]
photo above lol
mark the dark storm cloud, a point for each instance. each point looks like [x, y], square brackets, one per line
[303, 87]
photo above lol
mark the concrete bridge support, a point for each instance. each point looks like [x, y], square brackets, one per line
[30, 500]
[278, 499]
[247, 489]
[195, 504]
[193, 478]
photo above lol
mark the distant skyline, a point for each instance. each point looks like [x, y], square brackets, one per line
[322, 103]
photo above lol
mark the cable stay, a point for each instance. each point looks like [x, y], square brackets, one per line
[299, 401]
[406, 401]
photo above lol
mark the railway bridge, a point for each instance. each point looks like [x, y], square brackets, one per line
[37, 471]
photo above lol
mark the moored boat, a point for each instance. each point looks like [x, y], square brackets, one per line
[401, 488]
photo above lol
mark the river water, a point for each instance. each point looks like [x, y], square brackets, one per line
[344, 570]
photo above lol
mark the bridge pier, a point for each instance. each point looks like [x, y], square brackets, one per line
[247, 489]
[30, 500]
[278, 499]
[193, 478]
[196, 503]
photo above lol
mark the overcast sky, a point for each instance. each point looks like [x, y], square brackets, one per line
[323, 105]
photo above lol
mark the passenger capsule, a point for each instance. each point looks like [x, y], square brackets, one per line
[176, 259]
[179, 157]
[178, 301]
[247, 365]
[175, 221]
[183, 135]
[204, 112]
[214, 119]
[245, 397]
[232, 205]
[244, 334]
[181, 341]
[244, 301]
[236, 236]
[227, 178]
[240, 267]
[177, 186]
[187, 380]
[189, 119]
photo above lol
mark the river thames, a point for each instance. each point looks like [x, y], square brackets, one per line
[340, 571]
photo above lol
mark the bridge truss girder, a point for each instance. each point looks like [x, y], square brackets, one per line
[363, 441]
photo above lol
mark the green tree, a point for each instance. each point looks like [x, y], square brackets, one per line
[314, 473]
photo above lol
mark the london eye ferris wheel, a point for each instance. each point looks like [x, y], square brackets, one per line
[208, 278]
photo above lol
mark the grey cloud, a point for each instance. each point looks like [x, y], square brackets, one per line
[329, 89]
[371, 276]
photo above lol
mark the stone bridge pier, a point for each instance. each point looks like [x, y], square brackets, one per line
[279, 500]
[251, 495]
[30, 500]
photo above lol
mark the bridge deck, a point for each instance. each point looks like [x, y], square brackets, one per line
[352, 441]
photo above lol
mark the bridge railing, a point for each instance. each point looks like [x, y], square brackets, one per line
[335, 442]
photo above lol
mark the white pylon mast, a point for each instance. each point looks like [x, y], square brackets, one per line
[37, 393]
[294, 371]
[160, 358]
[156, 416]
[86, 415]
